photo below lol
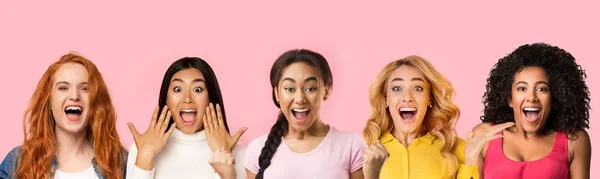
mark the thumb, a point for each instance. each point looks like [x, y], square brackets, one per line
[133, 131]
[239, 134]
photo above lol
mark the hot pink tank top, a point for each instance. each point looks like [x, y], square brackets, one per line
[555, 165]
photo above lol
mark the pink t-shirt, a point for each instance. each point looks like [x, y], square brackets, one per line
[337, 156]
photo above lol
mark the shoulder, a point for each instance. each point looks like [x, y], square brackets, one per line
[15, 151]
[341, 137]
[341, 134]
[579, 142]
[12, 155]
[257, 143]
[580, 136]
[9, 163]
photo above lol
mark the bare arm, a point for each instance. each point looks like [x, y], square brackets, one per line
[358, 174]
[250, 175]
[580, 152]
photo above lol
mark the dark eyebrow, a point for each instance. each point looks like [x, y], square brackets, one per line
[306, 80]
[521, 82]
[310, 79]
[289, 79]
[542, 82]
[195, 80]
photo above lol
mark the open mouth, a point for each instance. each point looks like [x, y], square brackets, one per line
[531, 114]
[73, 112]
[188, 116]
[300, 114]
[408, 114]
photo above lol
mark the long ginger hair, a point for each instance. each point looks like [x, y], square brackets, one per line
[39, 146]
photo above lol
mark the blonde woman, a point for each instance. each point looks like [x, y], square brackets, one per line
[411, 128]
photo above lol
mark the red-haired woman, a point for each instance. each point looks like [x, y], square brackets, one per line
[69, 127]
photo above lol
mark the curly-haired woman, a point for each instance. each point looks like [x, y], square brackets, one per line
[542, 90]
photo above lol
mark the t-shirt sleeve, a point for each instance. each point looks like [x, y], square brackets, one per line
[358, 148]
[252, 154]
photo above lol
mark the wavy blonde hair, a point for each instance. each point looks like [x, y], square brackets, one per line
[438, 119]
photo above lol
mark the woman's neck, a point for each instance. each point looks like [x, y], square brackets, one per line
[318, 129]
[407, 138]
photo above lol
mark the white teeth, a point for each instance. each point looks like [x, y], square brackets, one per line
[408, 109]
[74, 108]
[188, 110]
[300, 110]
[531, 109]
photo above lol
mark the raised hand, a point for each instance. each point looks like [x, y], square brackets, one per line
[476, 141]
[150, 143]
[216, 134]
[374, 158]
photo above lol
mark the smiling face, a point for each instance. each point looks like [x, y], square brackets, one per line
[69, 99]
[531, 99]
[187, 99]
[300, 92]
[407, 98]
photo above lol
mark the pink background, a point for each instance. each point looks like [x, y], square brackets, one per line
[133, 44]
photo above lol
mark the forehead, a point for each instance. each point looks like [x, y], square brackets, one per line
[188, 74]
[531, 74]
[406, 72]
[71, 72]
[300, 71]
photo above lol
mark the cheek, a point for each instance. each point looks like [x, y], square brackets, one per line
[202, 100]
[393, 100]
[172, 99]
[546, 102]
[285, 97]
[315, 97]
[422, 99]
[56, 101]
[56, 106]
[86, 99]
[515, 99]
[546, 99]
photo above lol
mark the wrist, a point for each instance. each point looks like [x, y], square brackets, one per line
[371, 175]
[144, 162]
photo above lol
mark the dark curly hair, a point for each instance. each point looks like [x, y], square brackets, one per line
[569, 93]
